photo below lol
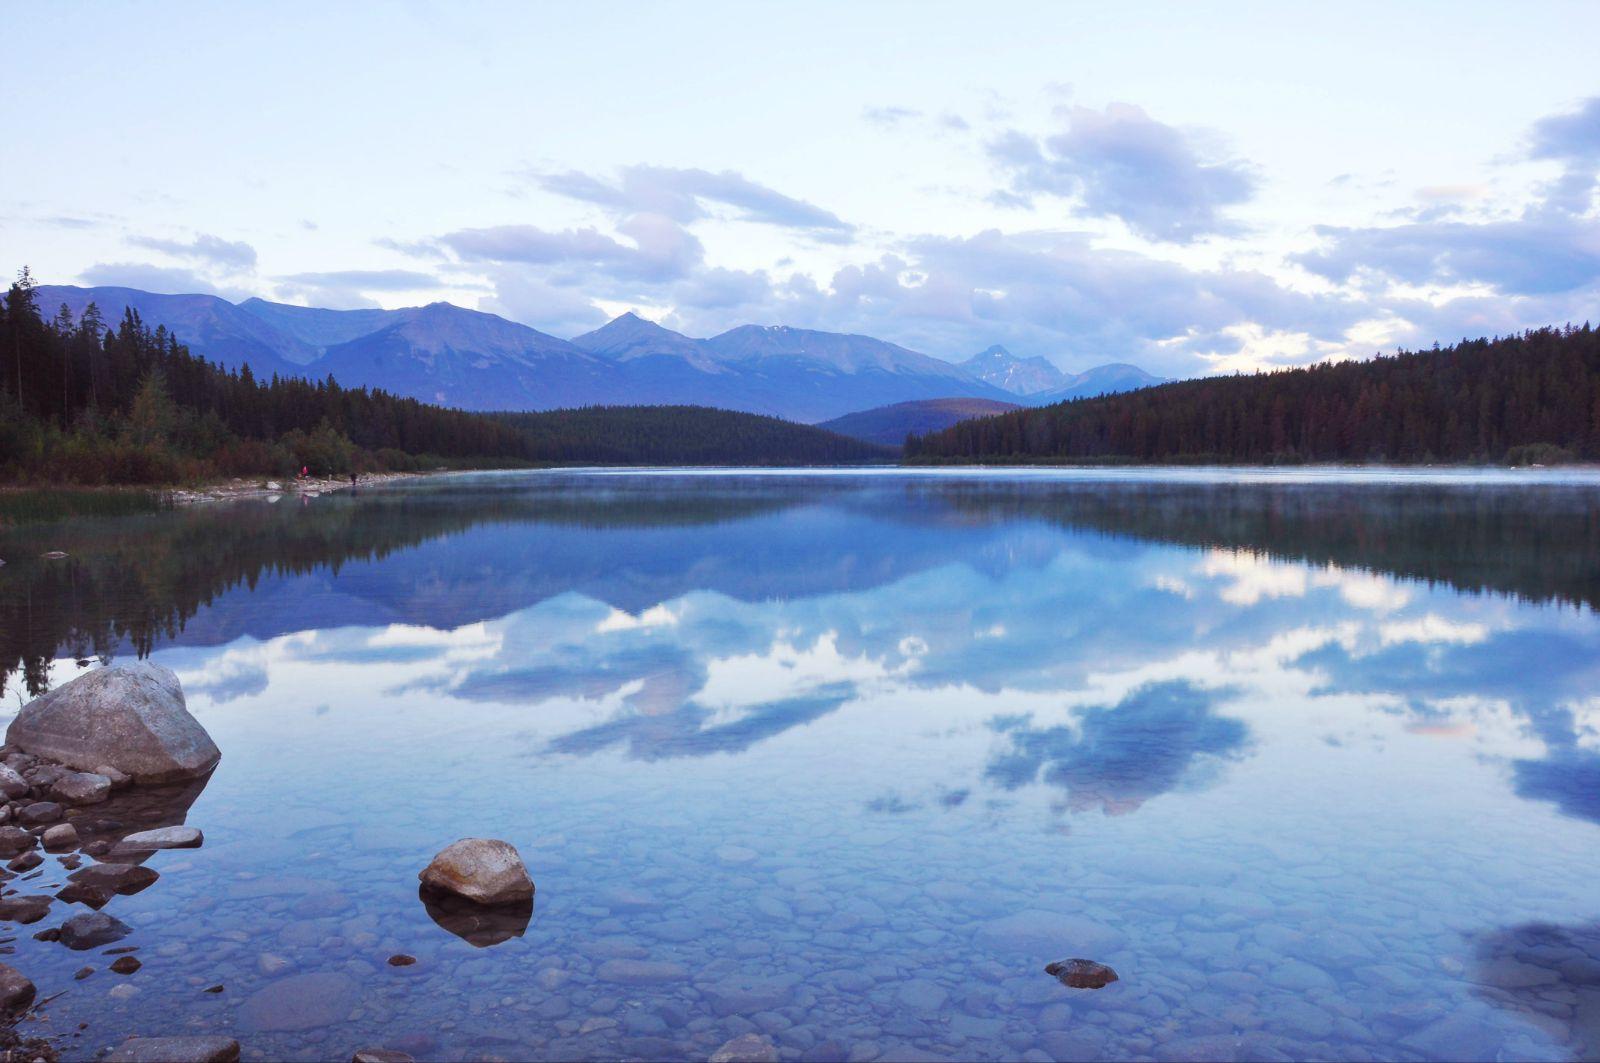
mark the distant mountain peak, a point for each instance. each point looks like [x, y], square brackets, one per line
[1020, 376]
[628, 337]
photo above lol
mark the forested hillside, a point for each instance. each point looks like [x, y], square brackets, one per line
[684, 435]
[82, 401]
[85, 402]
[1518, 399]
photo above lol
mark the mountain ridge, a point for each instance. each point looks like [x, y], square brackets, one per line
[475, 360]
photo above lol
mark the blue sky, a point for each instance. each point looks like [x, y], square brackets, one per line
[1192, 188]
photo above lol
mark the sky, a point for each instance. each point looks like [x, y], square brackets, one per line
[1192, 188]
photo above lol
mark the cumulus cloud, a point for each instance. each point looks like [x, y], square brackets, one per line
[661, 250]
[1551, 246]
[684, 195]
[1121, 163]
[1533, 255]
[166, 280]
[227, 255]
[348, 289]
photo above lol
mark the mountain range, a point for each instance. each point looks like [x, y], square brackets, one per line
[479, 361]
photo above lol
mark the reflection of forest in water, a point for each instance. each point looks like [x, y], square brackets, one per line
[132, 582]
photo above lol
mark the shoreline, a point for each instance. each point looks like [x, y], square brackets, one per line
[240, 488]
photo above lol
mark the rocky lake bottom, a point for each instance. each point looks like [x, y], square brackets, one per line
[842, 763]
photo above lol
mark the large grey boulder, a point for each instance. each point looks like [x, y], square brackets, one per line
[485, 870]
[128, 717]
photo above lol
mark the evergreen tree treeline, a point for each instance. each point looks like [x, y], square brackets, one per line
[82, 401]
[1533, 397]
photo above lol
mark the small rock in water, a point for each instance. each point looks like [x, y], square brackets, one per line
[14, 840]
[53, 555]
[16, 992]
[161, 838]
[26, 862]
[89, 930]
[126, 879]
[39, 813]
[176, 1050]
[212, 989]
[746, 1048]
[118, 779]
[24, 910]
[380, 1055]
[60, 837]
[400, 959]
[485, 870]
[83, 972]
[1082, 974]
[126, 964]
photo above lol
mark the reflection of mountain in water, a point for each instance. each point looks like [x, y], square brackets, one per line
[459, 551]
[1538, 543]
[1116, 757]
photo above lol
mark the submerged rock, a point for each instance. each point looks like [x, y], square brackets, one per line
[484, 870]
[176, 1050]
[1081, 974]
[747, 1048]
[126, 964]
[301, 1002]
[90, 930]
[380, 1055]
[16, 992]
[129, 717]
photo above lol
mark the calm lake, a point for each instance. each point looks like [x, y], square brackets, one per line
[1312, 759]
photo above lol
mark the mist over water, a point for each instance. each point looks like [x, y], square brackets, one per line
[846, 759]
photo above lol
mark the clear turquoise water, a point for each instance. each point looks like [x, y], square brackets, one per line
[1312, 760]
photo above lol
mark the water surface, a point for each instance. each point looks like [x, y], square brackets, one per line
[1312, 759]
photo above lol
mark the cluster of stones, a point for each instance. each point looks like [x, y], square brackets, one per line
[68, 750]
[126, 725]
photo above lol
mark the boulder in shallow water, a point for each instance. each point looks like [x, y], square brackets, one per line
[90, 930]
[16, 992]
[1081, 974]
[485, 870]
[129, 717]
[176, 1050]
[14, 840]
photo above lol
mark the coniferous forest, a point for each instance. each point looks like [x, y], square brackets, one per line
[90, 402]
[1520, 399]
